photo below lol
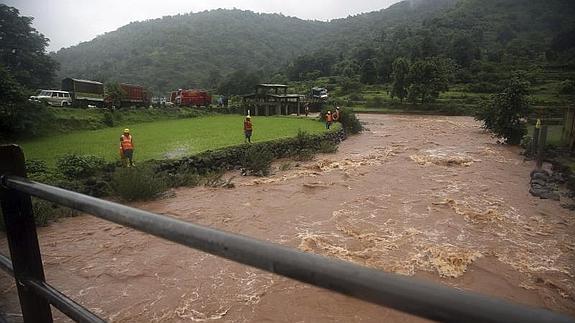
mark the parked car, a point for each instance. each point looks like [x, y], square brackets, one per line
[53, 97]
[319, 93]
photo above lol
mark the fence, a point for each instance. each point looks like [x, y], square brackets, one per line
[412, 296]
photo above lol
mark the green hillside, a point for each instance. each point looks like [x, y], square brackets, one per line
[201, 49]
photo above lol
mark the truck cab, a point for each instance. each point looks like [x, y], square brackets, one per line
[319, 93]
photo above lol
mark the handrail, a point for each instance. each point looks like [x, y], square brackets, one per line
[410, 295]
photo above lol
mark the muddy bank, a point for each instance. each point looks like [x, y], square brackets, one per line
[430, 197]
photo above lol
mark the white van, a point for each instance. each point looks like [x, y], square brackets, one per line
[53, 97]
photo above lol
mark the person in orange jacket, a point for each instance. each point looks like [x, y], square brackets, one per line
[127, 148]
[336, 115]
[248, 128]
[328, 119]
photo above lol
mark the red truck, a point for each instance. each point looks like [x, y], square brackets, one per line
[193, 97]
[135, 95]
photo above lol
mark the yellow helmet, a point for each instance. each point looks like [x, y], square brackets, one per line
[126, 130]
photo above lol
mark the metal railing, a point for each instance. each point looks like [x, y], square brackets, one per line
[424, 299]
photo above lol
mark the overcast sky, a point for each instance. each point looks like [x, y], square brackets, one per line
[69, 22]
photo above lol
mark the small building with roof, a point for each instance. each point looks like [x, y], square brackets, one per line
[272, 99]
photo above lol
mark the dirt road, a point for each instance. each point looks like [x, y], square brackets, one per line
[432, 197]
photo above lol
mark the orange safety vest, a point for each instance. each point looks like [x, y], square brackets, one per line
[247, 125]
[336, 116]
[126, 142]
[329, 117]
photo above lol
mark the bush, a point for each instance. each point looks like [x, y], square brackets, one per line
[141, 183]
[327, 147]
[79, 166]
[355, 97]
[43, 211]
[258, 160]
[34, 166]
[304, 154]
[183, 176]
[108, 119]
[375, 102]
[567, 87]
[349, 121]
[349, 86]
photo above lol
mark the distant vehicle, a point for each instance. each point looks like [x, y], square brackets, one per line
[91, 93]
[135, 95]
[84, 92]
[53, 97]
[319, 93]
[190, 98]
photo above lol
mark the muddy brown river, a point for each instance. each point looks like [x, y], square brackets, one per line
[426, 196]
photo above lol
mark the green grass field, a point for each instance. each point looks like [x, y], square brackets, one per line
[168, 138]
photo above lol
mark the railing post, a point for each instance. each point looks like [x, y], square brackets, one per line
[22, 238]
[541, 147]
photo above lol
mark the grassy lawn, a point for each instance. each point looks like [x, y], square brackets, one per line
[168, 138]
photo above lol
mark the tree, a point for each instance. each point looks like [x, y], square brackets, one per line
[368, 72]
[428, 78]
[23, 50]
[463, 50]
[115, 94]
[239, 82]
[507, 111]
[399, 75]
[17, 115]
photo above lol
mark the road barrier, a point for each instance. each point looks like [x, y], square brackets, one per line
[424, 299]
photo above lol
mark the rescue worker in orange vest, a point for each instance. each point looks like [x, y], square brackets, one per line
[328, 120]
[336, 115]
[248, 128]
[127, 148]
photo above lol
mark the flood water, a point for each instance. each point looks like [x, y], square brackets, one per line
[425, 196]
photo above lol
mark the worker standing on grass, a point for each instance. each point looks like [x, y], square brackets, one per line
[248, 128]
[127, 149]
[328, 119]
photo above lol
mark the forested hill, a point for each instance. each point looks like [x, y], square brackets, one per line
[487, 39]
[200, 49]
[190, 49]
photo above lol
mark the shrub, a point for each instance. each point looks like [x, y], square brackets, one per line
[349, 121]
[183, 176]
[34, 166]
[43, 211]
[355, 97]
[567, 87]
[327, 147]
[108, 119]
[349, 86]
[140, 183]
[304, 154]
[258, 160]
[375, 102]
[79, 166]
